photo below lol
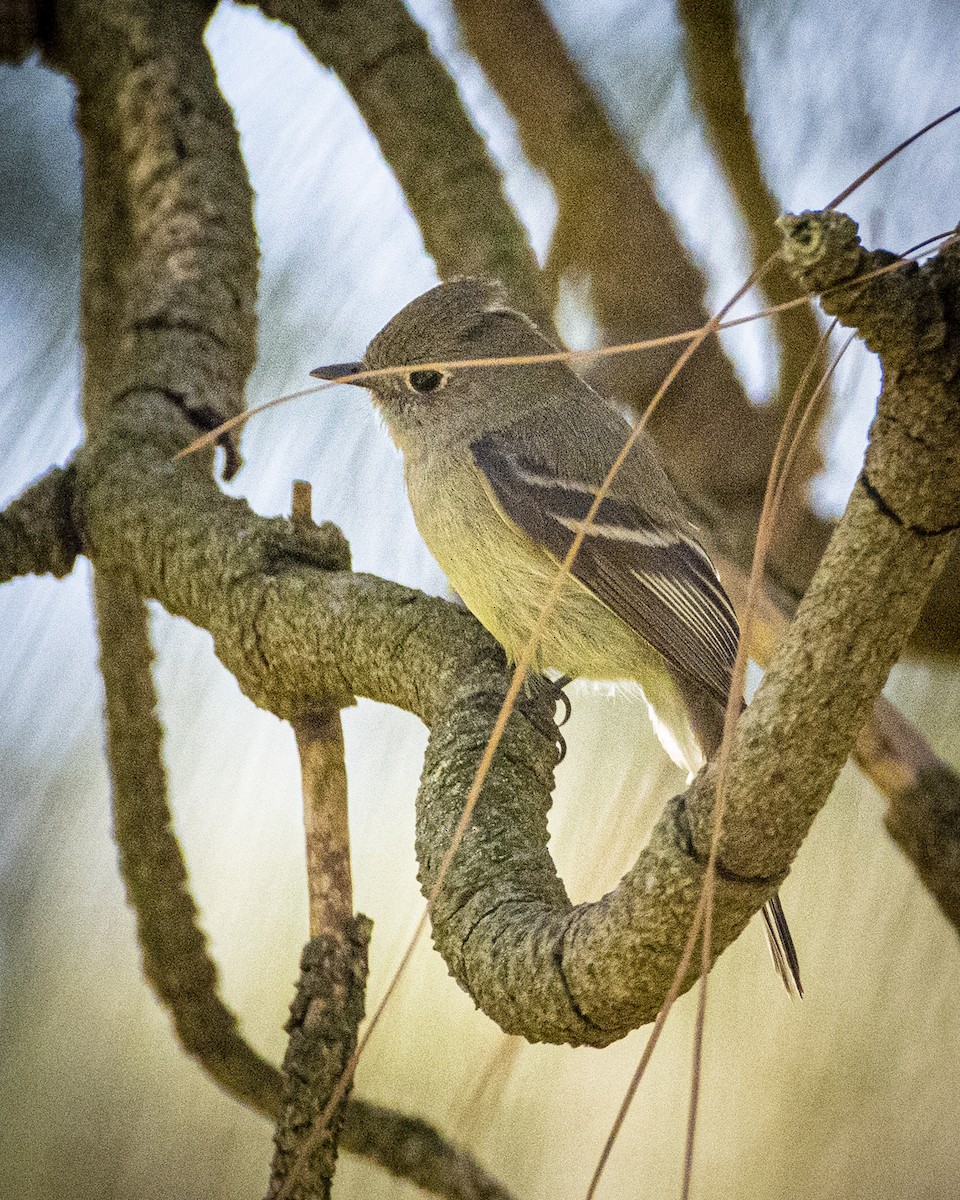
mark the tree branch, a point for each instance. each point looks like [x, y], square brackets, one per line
[324, 779]
[37, 535]
[715, 72]
[161, 157]
[899, 526]
[297, 638]
[176, 961]
[329, 1003]
[922, 790]
[169, 303]
[324, 1018]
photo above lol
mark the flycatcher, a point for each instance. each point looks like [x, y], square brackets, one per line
[502, 465]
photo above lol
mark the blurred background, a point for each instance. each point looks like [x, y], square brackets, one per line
[851, 1093]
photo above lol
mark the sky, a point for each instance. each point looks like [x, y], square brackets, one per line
[95, 1090]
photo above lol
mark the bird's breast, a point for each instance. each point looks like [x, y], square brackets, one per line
[505, 579]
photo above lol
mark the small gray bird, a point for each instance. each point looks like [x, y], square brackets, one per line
[502, 464]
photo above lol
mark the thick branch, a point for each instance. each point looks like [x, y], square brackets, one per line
[170, 305]
[412, 108]
[918, 785]
[922, 791]
[153, 124]
[502, 919]
[899, 526]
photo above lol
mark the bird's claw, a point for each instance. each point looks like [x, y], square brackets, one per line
[536, 684]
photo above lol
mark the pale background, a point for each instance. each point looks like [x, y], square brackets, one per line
[852, 1093]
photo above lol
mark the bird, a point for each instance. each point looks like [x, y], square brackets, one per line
[502, 464]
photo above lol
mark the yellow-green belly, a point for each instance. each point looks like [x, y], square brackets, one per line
[505, 580]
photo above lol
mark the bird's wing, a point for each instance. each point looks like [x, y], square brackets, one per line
[651, 573]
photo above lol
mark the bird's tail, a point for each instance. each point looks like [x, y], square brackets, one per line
[782, 949]
[700, 741]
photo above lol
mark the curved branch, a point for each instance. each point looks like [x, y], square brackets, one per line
[440, 160]
[162, 159]
[922, 791]
[165, 190]
[502, 921]
[176, 961]
[902, 519]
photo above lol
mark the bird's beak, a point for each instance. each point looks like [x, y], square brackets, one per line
[338, 371]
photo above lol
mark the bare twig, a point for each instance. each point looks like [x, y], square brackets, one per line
[325, 811]
[329, 1003]
[37, 533]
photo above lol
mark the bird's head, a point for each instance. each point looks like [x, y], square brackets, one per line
[462, 320]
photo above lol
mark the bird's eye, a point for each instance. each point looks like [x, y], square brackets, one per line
[426, 381]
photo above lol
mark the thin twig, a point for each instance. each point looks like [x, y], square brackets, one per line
[324, 776]
[328, 1007]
